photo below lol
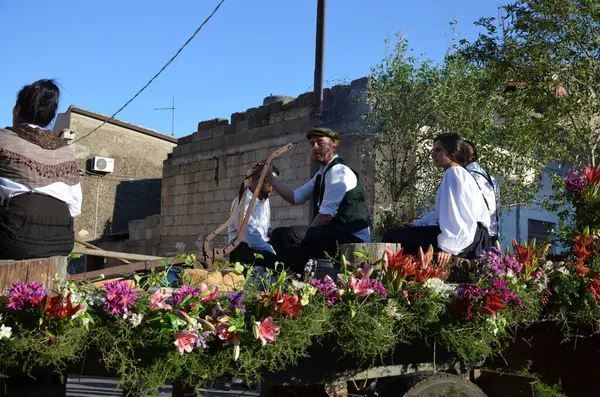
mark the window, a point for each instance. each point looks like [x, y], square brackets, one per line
[539, 230]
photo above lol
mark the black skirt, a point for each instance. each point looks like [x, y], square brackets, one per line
[35, 226]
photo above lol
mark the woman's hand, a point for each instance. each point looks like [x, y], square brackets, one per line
[443, 258]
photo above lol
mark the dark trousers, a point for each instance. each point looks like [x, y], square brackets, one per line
[35, 226]
[411, 238]
[296, 245]
[246, 255]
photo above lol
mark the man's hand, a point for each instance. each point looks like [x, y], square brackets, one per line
[443, 258]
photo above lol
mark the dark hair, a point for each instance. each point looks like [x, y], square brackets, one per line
[453, 144]
[470, 152]
[38, 102]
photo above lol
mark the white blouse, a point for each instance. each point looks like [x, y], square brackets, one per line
[257, 232]
[459, 206]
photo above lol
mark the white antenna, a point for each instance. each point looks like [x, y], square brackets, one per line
[501, 18]
[172, 109]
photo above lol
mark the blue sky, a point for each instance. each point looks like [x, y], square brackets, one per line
[102, 52]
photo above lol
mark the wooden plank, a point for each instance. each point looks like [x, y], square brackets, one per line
[131, 268]
[91, 246]
[41, 270]
[11, 273]
[114, 254]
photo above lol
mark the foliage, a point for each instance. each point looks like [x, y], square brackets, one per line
[413, 100]
[147, 333]
[549, 56]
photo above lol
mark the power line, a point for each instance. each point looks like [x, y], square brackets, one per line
[156, 75]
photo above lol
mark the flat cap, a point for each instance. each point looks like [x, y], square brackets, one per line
[319, 131]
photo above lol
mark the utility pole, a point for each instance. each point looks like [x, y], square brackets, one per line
[172, 109]
[319, 57]
[318, 84]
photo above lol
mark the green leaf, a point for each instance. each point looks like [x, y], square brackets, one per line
[238, 268]
[174, 323]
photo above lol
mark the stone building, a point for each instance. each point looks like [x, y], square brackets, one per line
[132, 190]
[203, 173]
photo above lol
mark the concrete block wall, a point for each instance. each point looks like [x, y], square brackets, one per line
[202, 175]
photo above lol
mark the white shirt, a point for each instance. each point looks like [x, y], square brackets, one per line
[338, 180]
[257, 232]
[459, 206]
[70, 194]
[491, 192]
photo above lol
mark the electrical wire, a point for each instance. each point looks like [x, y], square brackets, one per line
[156, 75]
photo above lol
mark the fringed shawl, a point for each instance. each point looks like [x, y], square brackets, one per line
[36, 157]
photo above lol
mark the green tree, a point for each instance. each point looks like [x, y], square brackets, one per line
[412, 100]
[550, 54]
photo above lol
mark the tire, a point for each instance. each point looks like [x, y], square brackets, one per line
[433, 385]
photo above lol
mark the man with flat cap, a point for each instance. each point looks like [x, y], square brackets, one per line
[339, 206]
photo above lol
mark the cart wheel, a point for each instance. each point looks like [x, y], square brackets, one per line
[433, 385]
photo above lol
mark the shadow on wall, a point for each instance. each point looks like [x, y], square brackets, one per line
[135, 200]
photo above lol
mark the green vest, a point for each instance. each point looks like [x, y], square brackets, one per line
[352, 215]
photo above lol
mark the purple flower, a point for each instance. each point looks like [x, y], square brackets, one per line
[575, 180]
[202, 339]
[120, 297]
[377, 286]
[500, 288]
[495, 264]
[23, 296]
[470, 292]
[512, 264]
[236, 299]
[183, 292]
[327, 288]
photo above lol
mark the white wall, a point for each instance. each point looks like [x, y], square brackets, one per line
[514, 220]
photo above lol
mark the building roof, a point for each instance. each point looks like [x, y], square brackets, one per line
[123, 124]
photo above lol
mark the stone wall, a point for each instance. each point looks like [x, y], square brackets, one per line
[203, 174]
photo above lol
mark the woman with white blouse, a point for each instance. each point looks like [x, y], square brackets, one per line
[460, 223]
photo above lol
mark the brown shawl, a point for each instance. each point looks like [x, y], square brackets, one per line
[36, 157]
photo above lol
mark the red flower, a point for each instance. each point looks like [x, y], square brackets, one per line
[492, 304]
[53, 307]
[523, 254]
[595, 288]
[581, 247]
[284, 304]
[403, 266]
[580, 267]
[592, 174]
[465, 308]
[289, 305]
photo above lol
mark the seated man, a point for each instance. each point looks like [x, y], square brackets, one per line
[256, 236]
[339, 204]
[487, 184]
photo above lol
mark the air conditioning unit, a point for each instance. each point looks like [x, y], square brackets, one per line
[103, 164]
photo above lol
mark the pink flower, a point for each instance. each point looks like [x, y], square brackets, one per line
[266, 331]
[361, 287]
[120, 297]
[208, 295]
[159, 299]
[22, 296]
[186, 341]
[222, 330]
